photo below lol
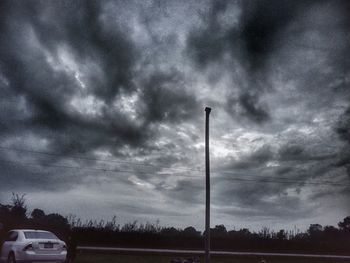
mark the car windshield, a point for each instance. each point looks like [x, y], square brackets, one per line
[39, 235]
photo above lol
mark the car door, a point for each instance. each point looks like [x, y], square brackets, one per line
[10, 239]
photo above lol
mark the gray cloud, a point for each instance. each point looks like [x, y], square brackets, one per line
[343, 130]
[46, 90]
[165, 99]
[251, 41]
[70, 85]
[247, 47]
[255, 159]
[127, 81]
[250, 107]
[43, 31]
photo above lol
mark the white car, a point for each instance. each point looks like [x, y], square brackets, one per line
[28, 245]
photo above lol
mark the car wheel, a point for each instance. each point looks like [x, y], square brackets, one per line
[11, 258]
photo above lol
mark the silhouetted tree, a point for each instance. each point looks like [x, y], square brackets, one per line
[281, 235]
[330, 232]
[57, 220]
[242, 234]
[265, 233]
[130, 227]
[218, 231]
[314, 229]
[38, 214]
[5, 213]
[345, 224]
[191, 231]
[315, 232]
[170, 231]
[18, 211]
[316, 239]
[111, 225]
[4, 219]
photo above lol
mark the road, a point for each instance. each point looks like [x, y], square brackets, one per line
[200, 252]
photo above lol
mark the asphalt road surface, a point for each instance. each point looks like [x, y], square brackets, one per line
[200, 252]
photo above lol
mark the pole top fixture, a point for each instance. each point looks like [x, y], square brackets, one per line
[208, 110]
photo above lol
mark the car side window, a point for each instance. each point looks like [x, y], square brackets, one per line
[11, 236]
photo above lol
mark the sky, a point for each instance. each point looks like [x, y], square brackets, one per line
[102, 110]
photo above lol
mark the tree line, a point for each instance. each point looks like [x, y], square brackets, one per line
[317, 239]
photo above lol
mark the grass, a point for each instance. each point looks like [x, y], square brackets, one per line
[149, 258]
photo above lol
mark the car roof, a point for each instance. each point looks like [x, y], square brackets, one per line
[36, 230]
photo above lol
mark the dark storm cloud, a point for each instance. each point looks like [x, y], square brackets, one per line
[187, 191]
[208, 44]
[46, 90]
[286, 207]
[253, 160]
[80, 26]
[262, 193]
[284, 155]
[295, 151]
[146, 209]
[285, 158]
[250, 107]
[259, 29]
[271, 178]
[165, 99]
[252, 41]
[343, 130]
[123, 80]
[23, 179]
[260, 199]
[341, 66]
[37, 89]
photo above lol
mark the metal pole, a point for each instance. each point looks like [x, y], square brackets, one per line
[207, 188]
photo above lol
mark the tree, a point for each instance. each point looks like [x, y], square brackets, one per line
[112, 225]
[19, 209]
[4, 213]
[4, 218]
[191, 231]
[130, 227]
[170, 231]
[244, 232]
[315, 231]
[265, 233]
[281, 235]
[330, 231]
[57, 220]
[37, 214]
[219, 231]
[345, 224]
